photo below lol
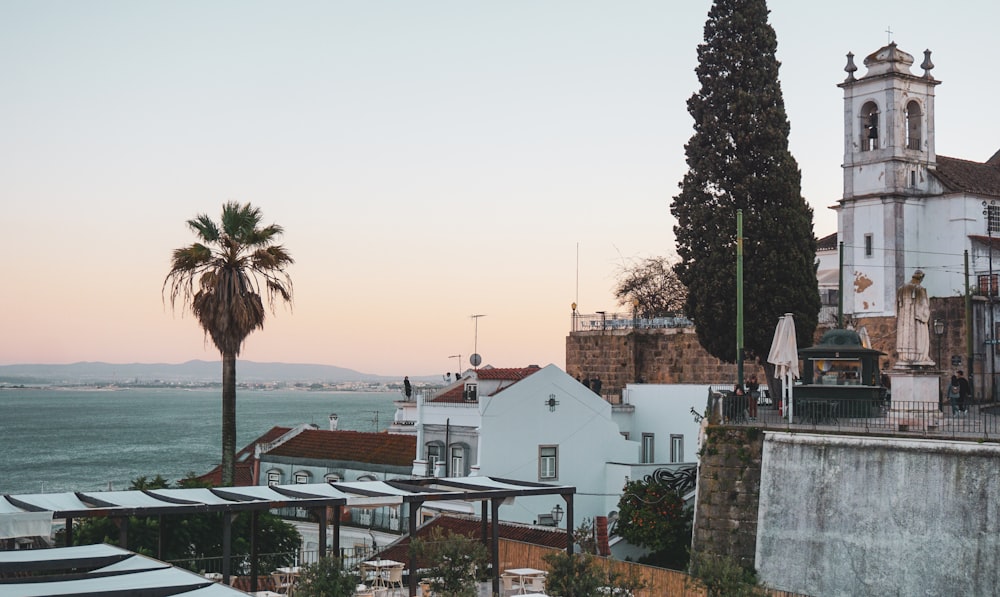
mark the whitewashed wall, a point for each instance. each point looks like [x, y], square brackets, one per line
[845, 515]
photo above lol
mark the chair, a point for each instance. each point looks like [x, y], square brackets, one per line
[283, 582]
[534, 584]
[394, 577]
[510, 583]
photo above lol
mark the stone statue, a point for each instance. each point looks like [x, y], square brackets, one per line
[912, 313]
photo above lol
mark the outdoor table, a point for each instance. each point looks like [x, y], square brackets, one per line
[524, 575]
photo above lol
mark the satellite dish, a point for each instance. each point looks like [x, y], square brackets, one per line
[475, 360]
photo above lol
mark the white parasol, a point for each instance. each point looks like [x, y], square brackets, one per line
[784, 355]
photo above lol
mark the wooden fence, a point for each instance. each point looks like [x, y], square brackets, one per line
[657, 582]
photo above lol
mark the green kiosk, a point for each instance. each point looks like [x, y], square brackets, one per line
[840, 379]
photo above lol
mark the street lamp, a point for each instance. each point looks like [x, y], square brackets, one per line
[557, 514]
[938, 331]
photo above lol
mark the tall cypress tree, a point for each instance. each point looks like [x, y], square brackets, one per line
[738, 158]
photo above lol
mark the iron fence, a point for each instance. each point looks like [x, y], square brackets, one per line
[596, 322]
[970, 422]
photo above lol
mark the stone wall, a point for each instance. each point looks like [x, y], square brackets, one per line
[673, 355]
[852, 515]
[728, 492]
[663, 356]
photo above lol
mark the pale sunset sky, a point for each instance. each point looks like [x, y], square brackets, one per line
[429, 160]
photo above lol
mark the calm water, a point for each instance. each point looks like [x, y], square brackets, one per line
[80, 440]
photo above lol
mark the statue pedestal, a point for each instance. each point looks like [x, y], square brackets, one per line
[912, 387]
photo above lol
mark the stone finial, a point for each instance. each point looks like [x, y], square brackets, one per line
[927, 65]
[850, 68]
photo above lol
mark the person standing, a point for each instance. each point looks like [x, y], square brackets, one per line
[407, 389]
[964, 393]
[754, 397]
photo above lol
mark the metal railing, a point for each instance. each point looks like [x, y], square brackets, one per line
[595, 322]
[971, 422]
[266, 563]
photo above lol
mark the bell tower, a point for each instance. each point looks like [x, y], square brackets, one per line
[888, 148]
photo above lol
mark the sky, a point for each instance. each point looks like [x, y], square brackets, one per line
[429, 160]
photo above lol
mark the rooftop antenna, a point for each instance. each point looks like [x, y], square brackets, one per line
[475, 359]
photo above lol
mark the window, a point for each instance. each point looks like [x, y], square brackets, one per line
[913, 178]
[367, 477]
[869, 127]
[302, 477]
[457, 461]
[992, 218]
[647, 448]
[274, 477]
[332, 478]
[829, 297]
[433, 452]
[471, 392]
[913, 125]
[985, 288]
[836, 372]
[548, 463]
[869, 245]
[676, 448]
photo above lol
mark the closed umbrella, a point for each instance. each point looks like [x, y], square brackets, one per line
[784, 355]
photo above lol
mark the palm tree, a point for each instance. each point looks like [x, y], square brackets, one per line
[222, 277]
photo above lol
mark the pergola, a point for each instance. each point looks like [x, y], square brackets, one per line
[490, 491]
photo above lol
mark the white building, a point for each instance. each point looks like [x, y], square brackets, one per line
[542, 425]
[905, 207]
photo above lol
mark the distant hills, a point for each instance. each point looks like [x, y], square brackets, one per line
[189, 372]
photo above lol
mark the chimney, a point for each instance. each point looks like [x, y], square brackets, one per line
[333, 421]
[601, 527]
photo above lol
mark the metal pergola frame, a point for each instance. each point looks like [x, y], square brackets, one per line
[490, 491]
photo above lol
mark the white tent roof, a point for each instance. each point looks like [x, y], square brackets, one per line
[126, 572]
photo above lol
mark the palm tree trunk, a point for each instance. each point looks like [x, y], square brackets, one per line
[228, 418]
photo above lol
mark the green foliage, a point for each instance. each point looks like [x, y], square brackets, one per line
[326, 578]
[581, 575]
[453, 561]
[573, 575]
[191, 538]
[725, 578]
[738, 158]
[655, 517]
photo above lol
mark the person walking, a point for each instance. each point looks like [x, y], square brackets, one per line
[964, 393]
[954, 392]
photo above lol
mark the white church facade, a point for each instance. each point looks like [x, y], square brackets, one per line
[904, 207]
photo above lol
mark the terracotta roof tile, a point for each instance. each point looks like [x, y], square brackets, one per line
[827, 243]
[507, 374]
[353, 446]
[470, 526]
[243, 471]
[968, 176]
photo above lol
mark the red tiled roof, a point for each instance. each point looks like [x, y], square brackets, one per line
[456, 395]
[827, 243]
[968, 176]
[353, 446]
[508, 374]
[471, 526]
[243, 470]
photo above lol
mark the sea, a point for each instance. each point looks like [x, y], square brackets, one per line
[56, 439]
